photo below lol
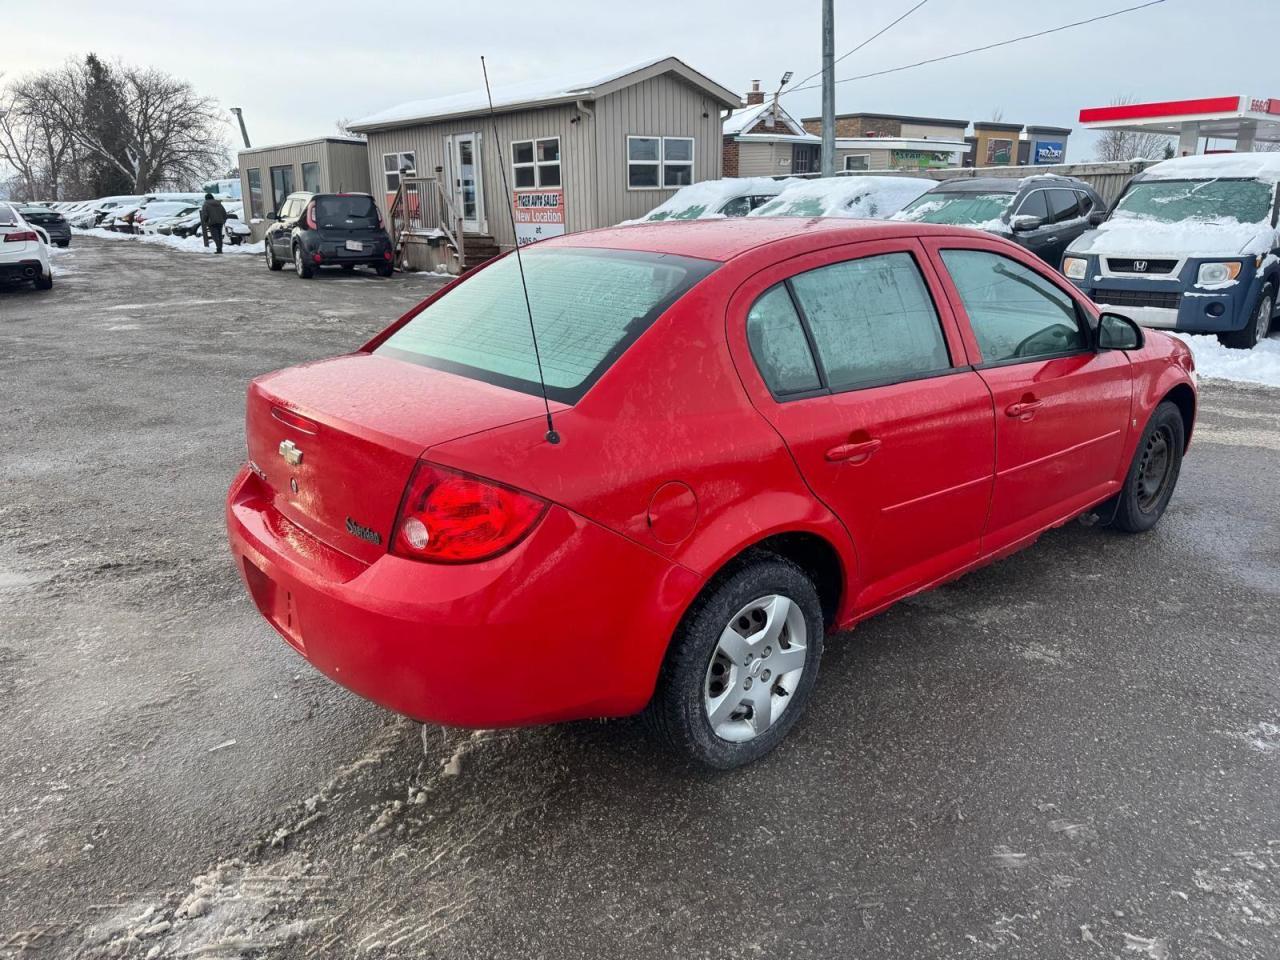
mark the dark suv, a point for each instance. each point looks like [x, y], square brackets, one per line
[315, 230]
[1042, 213]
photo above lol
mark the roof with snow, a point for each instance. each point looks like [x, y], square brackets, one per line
[740, 121]
[1261, 166]
[536, 94]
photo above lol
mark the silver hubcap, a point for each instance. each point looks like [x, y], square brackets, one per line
[755, 669]
[297, 260]
[1264, 317]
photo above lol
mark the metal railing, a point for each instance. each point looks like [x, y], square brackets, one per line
[422, 207]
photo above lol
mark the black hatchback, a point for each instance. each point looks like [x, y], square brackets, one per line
[1042, 213]
[314, 230]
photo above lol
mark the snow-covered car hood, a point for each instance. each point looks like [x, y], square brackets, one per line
[1130, 236]
[864, 197]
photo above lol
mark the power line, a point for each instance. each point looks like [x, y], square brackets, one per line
[989, 46]
[882, 30]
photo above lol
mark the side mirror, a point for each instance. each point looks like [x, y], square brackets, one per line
[1096, 217]
[1024, 222]
[1119, 333]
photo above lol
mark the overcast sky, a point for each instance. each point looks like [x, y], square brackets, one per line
[296, 68]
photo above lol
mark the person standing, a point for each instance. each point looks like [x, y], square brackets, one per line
[213, 217]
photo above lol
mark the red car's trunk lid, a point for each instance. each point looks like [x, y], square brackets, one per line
[336, 441]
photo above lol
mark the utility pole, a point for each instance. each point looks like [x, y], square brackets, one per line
[828, 88]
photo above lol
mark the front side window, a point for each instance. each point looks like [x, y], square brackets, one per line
[1034, 205]
[393, 164]
[311, 177]
[658, 162]
[779, 346]
[536, 163]
[872, 321]
[588, 306]
[1015, 313]
[1064, 205]
[255, 193]
[1173, 201]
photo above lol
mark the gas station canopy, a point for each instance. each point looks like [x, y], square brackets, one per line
[1246, 120]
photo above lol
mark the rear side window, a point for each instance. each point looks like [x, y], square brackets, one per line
[588, 307]
[779, 346]
[1015, 313]
[352, 211]
[872, 321]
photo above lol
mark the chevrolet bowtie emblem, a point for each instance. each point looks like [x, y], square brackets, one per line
[289, 450]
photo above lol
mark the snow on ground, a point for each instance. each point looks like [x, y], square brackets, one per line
[184, 244]
[1213, 360]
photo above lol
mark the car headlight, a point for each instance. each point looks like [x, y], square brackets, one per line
[1222, 272]
[1075, 267]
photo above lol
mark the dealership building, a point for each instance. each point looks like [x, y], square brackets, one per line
[322, 165]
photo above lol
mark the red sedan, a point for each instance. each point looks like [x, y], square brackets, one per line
[764, 431]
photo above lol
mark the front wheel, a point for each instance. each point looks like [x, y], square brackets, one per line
[301, 266]
[1154, 472]
[272, 262]
[741, 666]
[1258, 326]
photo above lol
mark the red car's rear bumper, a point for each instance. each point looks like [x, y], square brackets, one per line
[573, 622]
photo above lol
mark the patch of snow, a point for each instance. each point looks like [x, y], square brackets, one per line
[182, 244]
[740, 121]
[1259, 166]
[866, 197]
[1213, 360]
[1154, 947]
[700, 201]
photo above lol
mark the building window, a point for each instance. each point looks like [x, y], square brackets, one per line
[536, 163]
[857, 161]
[805, 158]
[657, 162]
[311, 177]
[255, 193]
[281, 185]
[393, 164]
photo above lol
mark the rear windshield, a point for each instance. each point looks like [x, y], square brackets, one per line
[588, 307]
[956, 208]
[346, 212]
[1173, 201]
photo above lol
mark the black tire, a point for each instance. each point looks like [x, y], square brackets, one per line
[386, 269]
[678, 715]
[44, 283]
[272, 262]
[64, 244]
[301, 265]
[1153, 474]
[1259, 324]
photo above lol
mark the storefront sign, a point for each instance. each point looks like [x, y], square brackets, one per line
[918, 159]
[1048, 151]
[999, 152]
[539, 214]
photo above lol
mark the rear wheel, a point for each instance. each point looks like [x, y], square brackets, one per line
[1154, 472]
[300, 265]
[1257, 328]
[742, 664]
[386, 269]
[44, 283]
[64, 243]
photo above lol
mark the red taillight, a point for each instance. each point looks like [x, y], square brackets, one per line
[452, 517]
[311, 215]
[22, 236]
[386, 254]
[318, 257]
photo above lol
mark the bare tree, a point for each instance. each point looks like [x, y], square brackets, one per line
[344, 127]
[1131, 144]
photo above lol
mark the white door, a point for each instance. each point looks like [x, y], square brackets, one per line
[468, 195]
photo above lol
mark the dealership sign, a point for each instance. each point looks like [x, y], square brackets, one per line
[1049, 151]
[538, 214]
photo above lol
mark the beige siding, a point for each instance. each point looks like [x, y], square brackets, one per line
[764, 159]
[910, 130]
[346, 168]
[660, 106]
[337, 162]
[876, 159]
[427, 143]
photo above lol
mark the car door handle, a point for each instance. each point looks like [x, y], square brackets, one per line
[859, 452]
[1024, 409]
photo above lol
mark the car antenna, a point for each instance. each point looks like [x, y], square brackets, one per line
[552, 436]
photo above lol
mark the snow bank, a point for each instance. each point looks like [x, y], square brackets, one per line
[1213, 360]
[863, 197]
[183, 244]
[698, 201]
[1130, 235]
[1260, 166]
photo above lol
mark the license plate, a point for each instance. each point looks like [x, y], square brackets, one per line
[355, 245]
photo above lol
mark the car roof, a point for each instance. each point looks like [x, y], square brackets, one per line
[1005, 184]
[725, 239]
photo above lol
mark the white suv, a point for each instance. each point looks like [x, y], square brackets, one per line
[24, 252]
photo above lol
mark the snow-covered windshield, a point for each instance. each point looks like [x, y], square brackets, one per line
[871, 197]
[956, 208]
[1173, 201]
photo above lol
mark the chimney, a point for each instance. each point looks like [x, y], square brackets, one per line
[755, 94]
